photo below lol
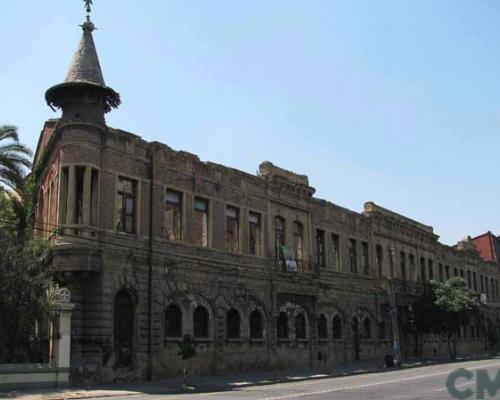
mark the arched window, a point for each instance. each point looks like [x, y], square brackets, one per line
[279, 235]
[200, 322]
[256, 331]
[282, 328]
[173, 321]
[233, 324]
[367, 328]
[337, 327]
[322, 327]
[123, 328]
[298, 240]
[300, 326]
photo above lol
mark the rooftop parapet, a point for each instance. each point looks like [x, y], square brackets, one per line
[371, 208]
[268, 170]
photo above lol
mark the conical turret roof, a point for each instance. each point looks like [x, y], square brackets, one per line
[84, 74]
[85, 67]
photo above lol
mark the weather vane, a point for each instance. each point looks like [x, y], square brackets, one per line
[88, 7]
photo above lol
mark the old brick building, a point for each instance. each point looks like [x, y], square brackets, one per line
[156, 244]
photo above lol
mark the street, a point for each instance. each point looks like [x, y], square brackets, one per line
[411, 384]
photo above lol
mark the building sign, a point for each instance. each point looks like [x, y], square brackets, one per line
[289, 257]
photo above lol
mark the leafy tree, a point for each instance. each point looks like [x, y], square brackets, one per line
[26, 296]
[187, 352]
[27, 293]
[445, 308]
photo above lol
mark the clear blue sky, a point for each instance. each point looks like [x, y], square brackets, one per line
[391, 101]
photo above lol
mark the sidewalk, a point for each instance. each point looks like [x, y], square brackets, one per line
[200, 384]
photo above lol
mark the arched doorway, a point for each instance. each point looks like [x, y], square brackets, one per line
[355, 337]
[123, 329]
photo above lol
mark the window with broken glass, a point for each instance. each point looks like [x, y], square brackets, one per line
[126, 205]
[232, 229]
[173, 215]
[254, 229]
[200, 236]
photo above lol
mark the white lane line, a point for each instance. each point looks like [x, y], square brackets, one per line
[343, 388]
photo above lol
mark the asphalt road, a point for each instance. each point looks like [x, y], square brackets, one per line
[424, 383]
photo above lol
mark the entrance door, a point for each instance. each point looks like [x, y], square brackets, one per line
[123, 332]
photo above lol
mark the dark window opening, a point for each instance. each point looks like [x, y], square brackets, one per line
[322, 327]
[431, 270]
[200, 322]
[365, 258]
[123, 329]
[173, 321]
[233, 324]
[336, 251]
[403, 265]
[320, 247]
[379, 260]
[422, 269]
[441, 275]
[256, 326]
[337, 327]
[353, 258]
[282, 328]
[367, 328]
[300, 326]
[79, 177]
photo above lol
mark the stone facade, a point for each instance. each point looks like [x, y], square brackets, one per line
[155, 244]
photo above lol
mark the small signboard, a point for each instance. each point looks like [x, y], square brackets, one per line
[289, 257]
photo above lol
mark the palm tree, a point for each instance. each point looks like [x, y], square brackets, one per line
[14, 162]
[14, 159]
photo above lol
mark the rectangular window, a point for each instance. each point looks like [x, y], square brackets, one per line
[335, 251]
[422, 269]
[441, 274]
[353, 256]
[447, 269]
[320, 247]
[462, 274]
[403, 265]
[469, 279]
[173, 215]
[79, 176]
[455, 271]
[279, 236]
[365, 258]
[232, 229]
[379, 254]
[200, 222]
[474, 280]
[413, 272]
[431, 270]
[94, 188]
[481, 281]
[255, 232]
[126, 205]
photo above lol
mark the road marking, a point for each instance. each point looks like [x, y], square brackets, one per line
[344, 388]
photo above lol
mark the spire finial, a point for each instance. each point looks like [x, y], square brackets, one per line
[88, 26]
[88, 8]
